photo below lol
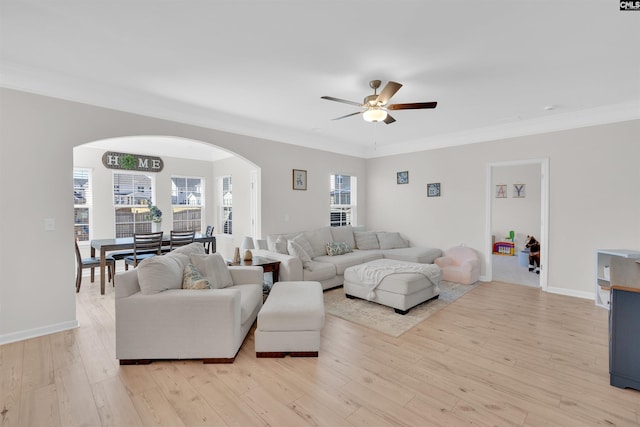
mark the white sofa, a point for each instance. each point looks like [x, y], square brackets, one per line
[329, 269]
[176, 323]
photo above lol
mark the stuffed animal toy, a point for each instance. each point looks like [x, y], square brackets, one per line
[534, 253]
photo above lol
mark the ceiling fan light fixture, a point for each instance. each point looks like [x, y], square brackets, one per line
[374, 114]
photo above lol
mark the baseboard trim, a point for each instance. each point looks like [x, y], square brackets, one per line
[571, 293]
[38, 332]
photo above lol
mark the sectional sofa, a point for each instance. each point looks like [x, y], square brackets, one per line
[322, 254]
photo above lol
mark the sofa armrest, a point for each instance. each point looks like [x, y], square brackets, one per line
[242, 275]
[290, 266]
[126, 283]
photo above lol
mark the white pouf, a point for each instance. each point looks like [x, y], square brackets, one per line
[291, 320]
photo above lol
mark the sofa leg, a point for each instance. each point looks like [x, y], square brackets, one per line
[403, 312]
[135, 361]
[218, 360]
[349, 296]
[281, 354]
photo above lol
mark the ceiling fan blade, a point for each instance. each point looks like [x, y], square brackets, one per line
[389, 90]
[348, 115]
[412, 106]
[344, 101]
[389, 119]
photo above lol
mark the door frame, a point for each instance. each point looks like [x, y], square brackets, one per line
[544, 216]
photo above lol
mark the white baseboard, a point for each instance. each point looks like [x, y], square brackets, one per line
[38, 332]
[571, 293]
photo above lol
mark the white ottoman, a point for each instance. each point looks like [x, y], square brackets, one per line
[291, 320]
[401, 290]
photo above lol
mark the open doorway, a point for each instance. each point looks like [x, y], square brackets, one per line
[517, 206]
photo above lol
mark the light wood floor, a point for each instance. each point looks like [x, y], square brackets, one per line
[501, 355]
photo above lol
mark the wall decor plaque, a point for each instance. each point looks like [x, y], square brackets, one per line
[132, 162]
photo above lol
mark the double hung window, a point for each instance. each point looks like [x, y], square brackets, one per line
[342, 200]
[187, 203]
[226, 205]
[82, 204]
[132, 197]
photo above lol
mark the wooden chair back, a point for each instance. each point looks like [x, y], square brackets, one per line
[145, 244]
[181, 238]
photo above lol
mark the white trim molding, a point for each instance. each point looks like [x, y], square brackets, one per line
[38, 332]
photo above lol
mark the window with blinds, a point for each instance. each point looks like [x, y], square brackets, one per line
[342, 200]
[82, 204]
[132, 196]
[187, 202]
[226, 205]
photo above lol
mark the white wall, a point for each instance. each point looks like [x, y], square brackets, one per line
[594, 196]
[522, 215]
[37, 138]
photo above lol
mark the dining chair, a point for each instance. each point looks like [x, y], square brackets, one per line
[207, 245]
[180, 238]
[145, 245]
[92, 263]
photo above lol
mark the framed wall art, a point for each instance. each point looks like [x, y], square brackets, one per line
[433, 189]
[402, 177]
[519, 191]
[501, 191]
[299, 179]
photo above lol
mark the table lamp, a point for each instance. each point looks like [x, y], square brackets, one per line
[247, 245]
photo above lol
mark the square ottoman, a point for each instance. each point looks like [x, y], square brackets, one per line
[400, 285]
[291, 320]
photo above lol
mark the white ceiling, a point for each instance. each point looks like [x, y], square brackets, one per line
[260, 67]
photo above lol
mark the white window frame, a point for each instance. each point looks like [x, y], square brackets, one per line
[88, 205]
[177, 207]
[142, 210]
[337, 180]
[226, 205]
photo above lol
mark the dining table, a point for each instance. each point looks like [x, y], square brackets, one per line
[122, 243]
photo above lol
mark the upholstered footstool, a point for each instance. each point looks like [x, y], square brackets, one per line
[291, 320]
[397, 284]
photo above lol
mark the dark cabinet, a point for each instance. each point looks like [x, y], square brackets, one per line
[624, 324]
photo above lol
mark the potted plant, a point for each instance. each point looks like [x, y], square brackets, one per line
[156, 217]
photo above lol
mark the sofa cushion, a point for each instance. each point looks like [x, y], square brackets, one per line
[366, 240]
[317, 271]
[277, 243]
[191, 248]
[348, 260]
[159, 273]
[344, 234]
[391, 240]
[192, 279]
[416, 254]
[304, 243]
[338, 248]
[318, 239]
[213, 268]
[297, 250]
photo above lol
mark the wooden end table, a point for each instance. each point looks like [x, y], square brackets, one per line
[269, 265]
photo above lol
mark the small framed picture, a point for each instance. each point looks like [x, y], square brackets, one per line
[433, 189]
[501, 191]
[402, 177]
[299, 179]
[519, 191]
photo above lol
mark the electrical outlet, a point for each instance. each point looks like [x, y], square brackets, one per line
[49, 224]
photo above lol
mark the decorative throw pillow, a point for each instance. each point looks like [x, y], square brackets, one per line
[192, 279]
[391, 240]
[277, 243]
[366, 240]
[160, 273]
[338, 248]
[298, 251]
[191, 248]
[214, 269]
[304, 243]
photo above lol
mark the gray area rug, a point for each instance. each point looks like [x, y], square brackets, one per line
[385, 319]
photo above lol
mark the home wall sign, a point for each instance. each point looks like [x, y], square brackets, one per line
[132, 162]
